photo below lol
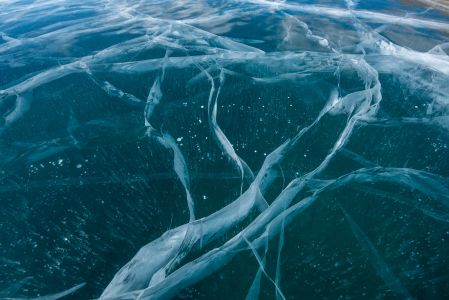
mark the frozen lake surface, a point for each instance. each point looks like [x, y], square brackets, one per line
[224, 149]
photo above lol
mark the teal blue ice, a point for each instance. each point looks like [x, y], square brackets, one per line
[241, 149]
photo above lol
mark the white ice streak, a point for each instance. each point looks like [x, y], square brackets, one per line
[51, 296]
[309, 34]
[180, 167]
[221, 138]
[113, 91]
[153, 99]
[154, 96]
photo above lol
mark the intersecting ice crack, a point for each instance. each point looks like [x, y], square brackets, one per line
[161, 269]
